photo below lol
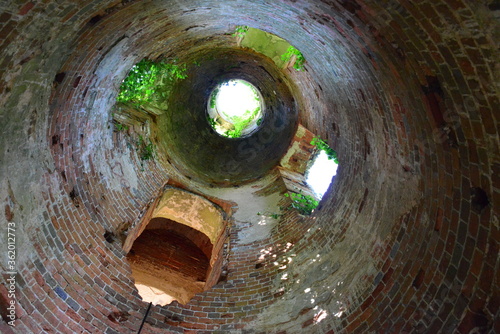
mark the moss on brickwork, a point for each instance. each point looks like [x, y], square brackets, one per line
[269, 45]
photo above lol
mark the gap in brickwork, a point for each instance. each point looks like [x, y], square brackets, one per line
[235, 108]
[176, 249]
[308, 170]
[280, 51]
[322, 168]
[321, 174]
[169, 261]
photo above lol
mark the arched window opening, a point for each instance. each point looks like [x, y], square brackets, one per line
[321, 173]
[308, 169]
[170, 261]
[176, 251]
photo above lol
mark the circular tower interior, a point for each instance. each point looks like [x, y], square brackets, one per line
[405, 240]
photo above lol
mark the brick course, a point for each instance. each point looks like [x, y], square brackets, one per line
[406, 239]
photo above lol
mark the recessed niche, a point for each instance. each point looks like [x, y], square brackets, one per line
[170, 261]
[177, 249]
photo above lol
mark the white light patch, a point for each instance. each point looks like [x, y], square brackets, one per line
[320, 316]
[320, 174]
[235, 99]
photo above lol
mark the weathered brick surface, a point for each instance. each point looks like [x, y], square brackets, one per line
[406, 239]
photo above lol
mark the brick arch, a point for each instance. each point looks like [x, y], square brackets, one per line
[170, 261]
[191, 210]
[178, 227]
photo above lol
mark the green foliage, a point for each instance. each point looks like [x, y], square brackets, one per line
[241, 122]
[240, 31]
[305, 204]
[232, 133]
[143, 80]
[299, 60]
[146, 151]
[120, 127]
[272, 215]
[227, 123]
[322, 145]
[213, 98]
[212, 122]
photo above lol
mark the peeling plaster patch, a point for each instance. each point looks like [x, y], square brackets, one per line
[120, 173]
[263, 224]
[251, 202]
[291, 151]
[112, 60]
[191, 210]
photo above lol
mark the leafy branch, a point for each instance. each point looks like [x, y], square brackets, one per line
[322, 145]
[144, 79]
[299, 58]
[305, 204]
[241, 122]
[240, 31]
[212, 122]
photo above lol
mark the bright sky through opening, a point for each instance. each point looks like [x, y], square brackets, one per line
[235, 98]
[320, 174]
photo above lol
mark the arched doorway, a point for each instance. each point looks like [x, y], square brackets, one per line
[176, 251]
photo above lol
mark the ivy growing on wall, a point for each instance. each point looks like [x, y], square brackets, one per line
[322, 145]
[146, 150]
[299, 58]
[305, 204]
[148, 79]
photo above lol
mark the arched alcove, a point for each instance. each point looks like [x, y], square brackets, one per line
[405, 241]
[175, 251]
[170, 261]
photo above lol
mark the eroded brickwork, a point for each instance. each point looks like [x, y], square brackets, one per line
[406, 239]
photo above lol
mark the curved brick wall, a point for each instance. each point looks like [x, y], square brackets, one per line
[209, 157]
[406, 239]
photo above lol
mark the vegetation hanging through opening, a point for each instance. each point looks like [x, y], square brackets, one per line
[298, 62]
[320, 174]
[279, 50]
[322, 145]
[305, 204]
[235, 108]
[240, 31]
[148, 81]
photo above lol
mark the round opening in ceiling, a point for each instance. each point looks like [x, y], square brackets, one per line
[235, 108]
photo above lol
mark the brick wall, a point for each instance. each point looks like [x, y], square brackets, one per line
[406, 239]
